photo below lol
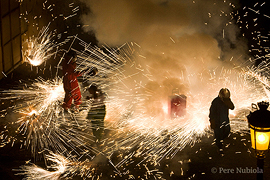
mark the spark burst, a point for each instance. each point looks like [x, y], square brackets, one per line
[139, 133]
[44, 123]
[58, 167]
[135, 131]
[42, 119]
[37, 50]
[39, 106]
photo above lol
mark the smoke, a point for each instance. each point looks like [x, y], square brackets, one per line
[179, 42]
[120, 21]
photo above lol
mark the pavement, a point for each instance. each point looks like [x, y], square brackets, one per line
[199, 161]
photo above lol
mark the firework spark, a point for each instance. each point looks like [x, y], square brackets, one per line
[42, 119]
[138, 132]
[58, 167]
[137, 106]
[137, 117]
[37, 50]
[154, 136]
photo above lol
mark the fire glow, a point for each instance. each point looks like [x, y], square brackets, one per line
[139, 79]
[37, 50]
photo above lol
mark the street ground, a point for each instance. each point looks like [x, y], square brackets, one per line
[200, 161]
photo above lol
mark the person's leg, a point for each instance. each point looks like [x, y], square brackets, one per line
[67, 101]
[218, 136]
[95, 129]
[100, 131]
[77, 98]
[226, 131]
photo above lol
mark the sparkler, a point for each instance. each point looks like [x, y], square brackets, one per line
[43, 120]
[40, 106]
[58, 167]
[39, 49]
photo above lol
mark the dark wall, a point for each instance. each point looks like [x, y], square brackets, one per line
[63, 21]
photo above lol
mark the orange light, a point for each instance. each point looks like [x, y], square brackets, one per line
[261, 138]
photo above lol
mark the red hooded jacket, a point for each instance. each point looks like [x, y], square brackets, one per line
[71, 85]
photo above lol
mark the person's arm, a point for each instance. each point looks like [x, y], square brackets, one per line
[77, 73]
[228, 103]
[73, 67]
[212, 115]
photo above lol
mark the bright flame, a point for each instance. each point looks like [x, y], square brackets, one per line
[165, 108]
[262, 138]
[35, 61]
[39, 49]
[32, 112]
[53, 93]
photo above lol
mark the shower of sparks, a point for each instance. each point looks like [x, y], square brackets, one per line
[137, 119]
[153, 138]
[39, 109]
[157, 138]
[41, 117]
[37, 50]
[58, 167]
[135, 131]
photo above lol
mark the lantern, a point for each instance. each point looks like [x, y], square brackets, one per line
[259, 123]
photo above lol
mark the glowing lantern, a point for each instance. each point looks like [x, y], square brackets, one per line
[259, 140]
[259, 123]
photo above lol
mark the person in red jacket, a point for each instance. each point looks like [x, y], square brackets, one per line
[71, 85]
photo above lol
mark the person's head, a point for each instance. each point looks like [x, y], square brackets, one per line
[224, 93]
[72, 54]
[94, 71]
[93, 90]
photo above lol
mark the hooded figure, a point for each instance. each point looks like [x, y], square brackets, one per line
[71, 85]
[219, 116]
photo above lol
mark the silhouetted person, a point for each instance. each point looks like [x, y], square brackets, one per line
[97, 112]
[219, 116]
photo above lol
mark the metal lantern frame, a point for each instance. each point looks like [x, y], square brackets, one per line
[259, 123]
[254, 134]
